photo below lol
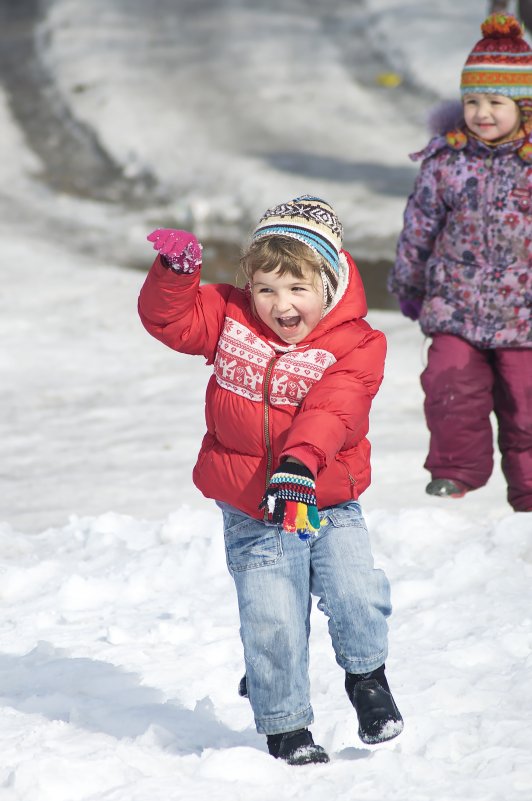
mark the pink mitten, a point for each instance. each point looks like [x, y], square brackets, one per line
[179, 250]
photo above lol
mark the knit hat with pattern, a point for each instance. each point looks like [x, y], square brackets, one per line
[501, 62]
[310, 220]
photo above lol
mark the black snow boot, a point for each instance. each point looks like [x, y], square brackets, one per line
[447, 488]
[243, 687]
[378, 717]
[296, 748]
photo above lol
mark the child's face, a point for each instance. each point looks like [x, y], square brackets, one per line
[491, 117]
[290, 306]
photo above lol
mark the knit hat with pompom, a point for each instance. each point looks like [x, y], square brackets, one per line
[501, 62]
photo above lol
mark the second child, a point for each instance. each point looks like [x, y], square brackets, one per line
[464, 268]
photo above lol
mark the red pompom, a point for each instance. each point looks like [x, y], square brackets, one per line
[502, 26]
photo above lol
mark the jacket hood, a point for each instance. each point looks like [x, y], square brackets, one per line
[445, 117]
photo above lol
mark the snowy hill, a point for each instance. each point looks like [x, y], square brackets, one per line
[198, 112]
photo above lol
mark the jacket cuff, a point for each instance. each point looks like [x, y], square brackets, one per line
[308, 456]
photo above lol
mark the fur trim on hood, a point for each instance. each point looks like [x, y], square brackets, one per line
[445, 117]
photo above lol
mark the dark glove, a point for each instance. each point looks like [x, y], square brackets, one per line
[179, 250]
[291, 500]
[411, 307]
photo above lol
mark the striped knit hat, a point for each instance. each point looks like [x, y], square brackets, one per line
[310, 220]
[501, 62]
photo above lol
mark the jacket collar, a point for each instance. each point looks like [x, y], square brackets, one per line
[458, 139]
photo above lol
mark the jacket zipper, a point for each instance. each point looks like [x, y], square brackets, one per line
[266, 421]
[487, 200]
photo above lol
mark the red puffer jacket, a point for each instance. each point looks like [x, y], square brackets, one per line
[265, 399]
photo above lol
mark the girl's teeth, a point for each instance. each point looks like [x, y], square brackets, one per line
[288, 321]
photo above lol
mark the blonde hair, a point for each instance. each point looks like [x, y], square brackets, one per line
[283, 253]
[525, 109]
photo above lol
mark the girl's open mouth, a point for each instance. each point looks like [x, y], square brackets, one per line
[289, 322]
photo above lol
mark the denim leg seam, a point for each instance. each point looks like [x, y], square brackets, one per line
[329, 617]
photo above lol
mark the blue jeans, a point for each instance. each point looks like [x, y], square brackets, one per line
[275, 574]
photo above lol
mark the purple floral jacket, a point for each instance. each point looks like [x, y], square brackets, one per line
[466, 245]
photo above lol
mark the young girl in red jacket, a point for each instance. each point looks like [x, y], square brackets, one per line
[285, 456]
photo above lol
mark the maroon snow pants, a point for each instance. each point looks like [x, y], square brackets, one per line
[462, 386]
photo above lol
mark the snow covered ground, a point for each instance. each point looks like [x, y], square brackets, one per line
[119, 646]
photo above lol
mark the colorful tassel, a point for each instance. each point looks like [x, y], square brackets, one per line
[290, 516]
[456, 139]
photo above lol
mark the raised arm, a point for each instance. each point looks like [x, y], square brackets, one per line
[173, 307]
